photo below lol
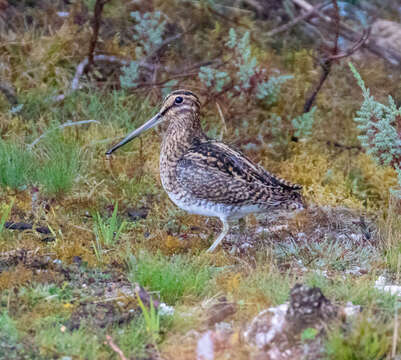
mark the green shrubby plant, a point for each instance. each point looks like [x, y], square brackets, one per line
[149, 29]
[213, 78]
[303, 124]
[380, 129]
[240, 73]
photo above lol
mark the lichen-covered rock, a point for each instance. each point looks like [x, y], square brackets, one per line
[308, 308]
[266, 326]
[387, 34]
[276, 331]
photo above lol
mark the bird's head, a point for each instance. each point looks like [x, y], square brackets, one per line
[179, 104]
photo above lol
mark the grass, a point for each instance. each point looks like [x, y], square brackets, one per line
[38, 293]
[330, 253]
[151, 317]
[83, 343]
[173, 277]
[108, 231]
[8, 335]
[133, 338]
[391, 236]
[366, 340]
[16, 166]
[60, 165]
[267, 283]
[55, 169]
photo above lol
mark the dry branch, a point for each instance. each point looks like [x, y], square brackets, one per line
[70, 123]
[80, 70]
[350, 34]
[296, 20]
[97, 19]
[178, 72]
[327, 61]
[115, 348]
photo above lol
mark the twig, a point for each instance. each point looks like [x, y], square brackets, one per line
[124, 62]
[97, 18]
[337, 24]
[326, 67]
[327, 61]
[224, 129]
[164, 44]
[342, 146]
[390, 55]
[296, 20]
[308, 7]
[70, 123]
[353, 48]
[80, 69]
[395, 330]
[111, 343]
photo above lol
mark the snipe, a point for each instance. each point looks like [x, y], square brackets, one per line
[207, 177]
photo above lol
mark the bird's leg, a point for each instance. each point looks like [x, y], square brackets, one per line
[223, 233]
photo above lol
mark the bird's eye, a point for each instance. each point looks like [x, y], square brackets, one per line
[178, 100]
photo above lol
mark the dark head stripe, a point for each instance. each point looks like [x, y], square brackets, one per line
[182, 92]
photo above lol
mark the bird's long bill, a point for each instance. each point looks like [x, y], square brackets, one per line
[148, 125]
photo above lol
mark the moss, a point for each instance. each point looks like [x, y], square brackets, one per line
[329, 177]
[18, 276]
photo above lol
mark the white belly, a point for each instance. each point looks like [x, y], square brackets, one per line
[208, 208]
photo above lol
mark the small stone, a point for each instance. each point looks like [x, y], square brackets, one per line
[48, 239]
[380, 284]
[220, 311]
[17, 226]
[350, 310]
[63, 14]
[137, 214]
[266, 326]
[166, 310]
[205, 347]
[43, 230]
[77, 260]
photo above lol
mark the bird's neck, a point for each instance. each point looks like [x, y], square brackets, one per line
[182, 133]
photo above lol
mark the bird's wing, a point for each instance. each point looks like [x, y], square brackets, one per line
[225, 175]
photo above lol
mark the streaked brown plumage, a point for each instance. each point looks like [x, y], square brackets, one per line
[207, 177]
